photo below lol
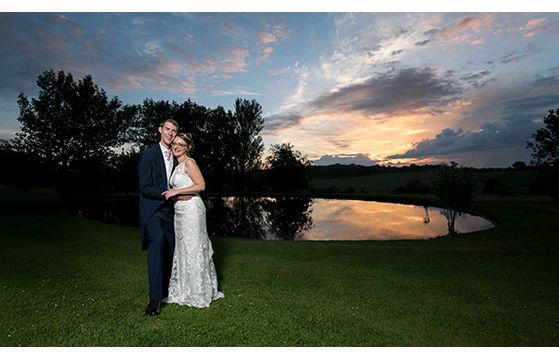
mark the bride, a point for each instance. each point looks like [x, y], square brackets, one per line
[193, 277]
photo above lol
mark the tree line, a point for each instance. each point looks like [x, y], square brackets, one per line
[83, 143]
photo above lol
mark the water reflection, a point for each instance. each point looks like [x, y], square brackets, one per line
[327, 219]
[243, 217]
[260, 218]
[288, 217]
[450, 216]
[302, 218]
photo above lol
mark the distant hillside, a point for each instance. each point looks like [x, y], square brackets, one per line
[344, 171]
[382, 180]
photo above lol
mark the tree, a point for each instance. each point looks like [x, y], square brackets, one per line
[226, 143]
[72, 127]
[216, 147]
[248, 146]
[455, 188]
[519, 165]
[123, 171]
[546, 142]
[243, 145]
[147, 117]
[287, 168]
[545, 154]
[22, 168]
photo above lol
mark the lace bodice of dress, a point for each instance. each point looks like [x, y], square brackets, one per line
[180, 178]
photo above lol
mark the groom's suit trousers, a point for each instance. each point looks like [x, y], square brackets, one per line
[161, 245]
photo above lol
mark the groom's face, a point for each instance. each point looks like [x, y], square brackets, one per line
[168, 132]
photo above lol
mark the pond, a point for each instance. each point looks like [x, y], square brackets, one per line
[299, 218]
[330, 219]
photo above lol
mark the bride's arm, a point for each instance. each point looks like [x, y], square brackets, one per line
[195, 174]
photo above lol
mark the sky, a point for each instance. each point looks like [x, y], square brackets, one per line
[363, 87]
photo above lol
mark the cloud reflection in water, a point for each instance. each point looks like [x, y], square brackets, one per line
[328, 219]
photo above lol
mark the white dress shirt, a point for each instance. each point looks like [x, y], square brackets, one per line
[168, 161]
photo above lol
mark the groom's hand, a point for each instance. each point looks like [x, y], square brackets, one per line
[184, 197]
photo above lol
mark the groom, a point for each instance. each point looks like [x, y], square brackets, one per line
[157, 233]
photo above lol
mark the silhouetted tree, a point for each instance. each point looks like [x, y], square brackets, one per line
[545, 154]
[287, 168]
[245, 146]
[73, 128]
[21, 170]
[546, 141]
[519, 165]
[123, 171]
[248, 146]
[147, 117]
[455, 189]
[218, 145]
[227, 144]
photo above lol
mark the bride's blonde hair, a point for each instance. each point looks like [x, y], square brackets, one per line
[187, 137]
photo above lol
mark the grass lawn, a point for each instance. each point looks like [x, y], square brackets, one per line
[67, 281]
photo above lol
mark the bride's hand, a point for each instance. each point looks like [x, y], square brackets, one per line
[168, 194]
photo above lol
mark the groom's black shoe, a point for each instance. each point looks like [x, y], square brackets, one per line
[154, 307]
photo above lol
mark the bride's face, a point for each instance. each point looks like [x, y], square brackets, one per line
[179, 147]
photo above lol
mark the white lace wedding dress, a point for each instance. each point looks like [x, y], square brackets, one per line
[193, 277]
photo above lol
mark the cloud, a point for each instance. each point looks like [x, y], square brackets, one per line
[363, 42]
[491, 135]
[38, 43]
[121, 53]
[157, 74]
[476, 79]
[299, 97]
[512, 58]
[236, 61]
[533, 105]
[345, 159]
[406, 90]
[519, 120]
[266, 52]
[236, 91]
[281, 121]
[64, 44]
[208, 66]
[547, 81]
[280, 31]
[467, 30]
[533, 27]
[267, 38]
[535, 22]
[515, 56]
[422, 43]
[539, 26]
[470, 23]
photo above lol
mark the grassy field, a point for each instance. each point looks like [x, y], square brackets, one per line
[67, 281]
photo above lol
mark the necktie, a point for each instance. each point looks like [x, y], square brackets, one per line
[168, 154]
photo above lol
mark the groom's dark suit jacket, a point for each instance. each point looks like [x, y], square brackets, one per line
[153, 181]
